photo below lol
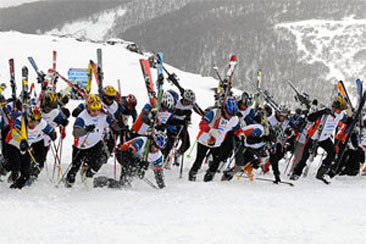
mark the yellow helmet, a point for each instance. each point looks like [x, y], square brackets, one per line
[93, 102]
[34, 113]
[340, 102]
[49, 99]
[110, 91]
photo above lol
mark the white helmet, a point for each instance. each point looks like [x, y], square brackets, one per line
[167, 100]
[189, 96]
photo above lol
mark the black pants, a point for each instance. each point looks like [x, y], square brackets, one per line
[201, 153]
[39, 152]
[227, 146]
[350, 164]
[243, 156]
[275, 157]
[94, 157]
[19, 163]
[329, 148]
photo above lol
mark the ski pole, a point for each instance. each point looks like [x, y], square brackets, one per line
[55, 163]
[183, 146]
[69, 167]
[57, 157]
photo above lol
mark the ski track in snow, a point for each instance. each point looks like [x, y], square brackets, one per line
[184, 212]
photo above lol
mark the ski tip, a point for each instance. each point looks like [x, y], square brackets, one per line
[234, 58]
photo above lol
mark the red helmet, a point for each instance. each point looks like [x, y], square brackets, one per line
[131, 100]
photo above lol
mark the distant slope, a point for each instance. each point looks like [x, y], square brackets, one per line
[38, 17]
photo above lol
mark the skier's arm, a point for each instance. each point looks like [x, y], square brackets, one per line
[79, 128]
[78, 110]
[61, 119]
[314, 116]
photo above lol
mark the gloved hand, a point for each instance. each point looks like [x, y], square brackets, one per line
[66, 112]
[90, 128]
[53, 135]
[24, 146]
[63, 132]
[327, 111]
[241, 137]
[214, 133]
[64, 122]
[287, 147]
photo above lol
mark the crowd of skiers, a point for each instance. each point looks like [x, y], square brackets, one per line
[243, 130]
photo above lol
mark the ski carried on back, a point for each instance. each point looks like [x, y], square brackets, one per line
[303, 99]
[12, 84]
[350, 128]
[173, 78]
[145, 67]
[226, 86]
[98, 71]
[80, 91]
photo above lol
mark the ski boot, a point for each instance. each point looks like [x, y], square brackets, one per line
[294, 177]
[322, 174]
[159, 177]
[248, 168]
[209, 176]
[192, 175]
[228, 174]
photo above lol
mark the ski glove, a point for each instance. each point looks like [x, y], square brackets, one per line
[90, 128]
[53, 135]
[24, 146]
[214, 133]
[66, 112]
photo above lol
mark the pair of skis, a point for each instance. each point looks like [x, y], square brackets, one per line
[222, 94]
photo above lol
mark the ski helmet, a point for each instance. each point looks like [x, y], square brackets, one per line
[110, 91]
[189, 96]
[167, 100]
[174, 94]
[131, 100]
[246, 99]
[34, 113]
[93, 102]
[160, 139]
[49, 99]
[2, 98]
[339, 102]
[231, 106]
[283, 111]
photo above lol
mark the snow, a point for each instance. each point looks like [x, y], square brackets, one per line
[14, 3]
[184, 212]
[94, 27]
[333, 43]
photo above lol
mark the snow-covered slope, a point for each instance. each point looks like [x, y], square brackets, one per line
[184, 212]
[13, 3]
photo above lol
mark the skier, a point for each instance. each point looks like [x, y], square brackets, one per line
[353, 157]
[129, 103]
[55, 118]
[131, 157]
[246, 112]
[21, 151]
[145, 119]
[228, 122]
[250, 151]
[282, 133]
[333, 116]
[178, 124]
[89, 130]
